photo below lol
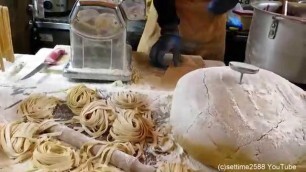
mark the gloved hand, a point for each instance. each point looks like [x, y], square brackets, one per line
[169, 41]
[221, 6]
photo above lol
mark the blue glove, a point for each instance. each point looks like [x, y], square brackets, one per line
[169, 41]
[221, 6]
[235, 22]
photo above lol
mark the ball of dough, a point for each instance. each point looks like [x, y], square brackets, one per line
[218, 121]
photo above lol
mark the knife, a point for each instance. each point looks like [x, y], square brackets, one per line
[51, 59]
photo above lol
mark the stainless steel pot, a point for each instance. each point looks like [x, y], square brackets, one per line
[277, 43]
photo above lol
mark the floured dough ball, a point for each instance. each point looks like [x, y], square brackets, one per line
[218, 121]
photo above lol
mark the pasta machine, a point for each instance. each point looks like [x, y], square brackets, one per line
[98, 42]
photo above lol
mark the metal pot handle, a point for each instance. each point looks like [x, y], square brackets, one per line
[274, 26]
[275, 22]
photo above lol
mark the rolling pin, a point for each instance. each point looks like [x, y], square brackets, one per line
[119, 159]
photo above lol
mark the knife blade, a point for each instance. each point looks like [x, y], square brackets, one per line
[37, 69]
[51, 59]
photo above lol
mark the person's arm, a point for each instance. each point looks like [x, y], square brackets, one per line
[169, 41]
[167, 16]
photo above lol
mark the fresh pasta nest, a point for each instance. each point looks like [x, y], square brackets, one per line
[38, 107]
[18, 139]
[78, 97]
[129, 100]
[96, 118]
[52, 155]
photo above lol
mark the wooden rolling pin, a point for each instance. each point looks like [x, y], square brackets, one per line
[119, 159]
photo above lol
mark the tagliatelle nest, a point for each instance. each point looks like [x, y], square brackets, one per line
[78, 97]
[96, 118]
[38, 107]
[130, 126]
[52, 155]
[18, 139]
[129, 100]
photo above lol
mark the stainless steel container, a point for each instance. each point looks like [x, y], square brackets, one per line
[277, 42]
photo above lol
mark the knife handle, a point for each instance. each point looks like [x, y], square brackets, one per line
[54, 56]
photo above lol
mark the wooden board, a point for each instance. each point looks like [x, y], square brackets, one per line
[164, 79]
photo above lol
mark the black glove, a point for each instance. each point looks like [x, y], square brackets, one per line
[169, 41]
[221, 6]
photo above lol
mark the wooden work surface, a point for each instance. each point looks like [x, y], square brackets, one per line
[167, 79]
[163, 79]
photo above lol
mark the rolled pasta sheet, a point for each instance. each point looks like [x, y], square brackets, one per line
[96, 118]
[52, 155]
[18, 140]
[173, 167]
[80, 96]
[38, 107]
[129, 126]
[129, 100]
